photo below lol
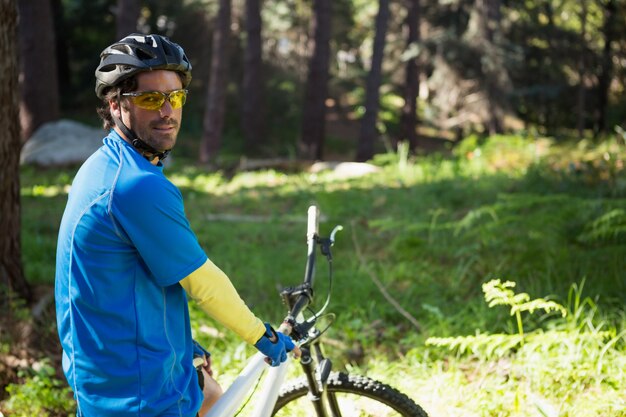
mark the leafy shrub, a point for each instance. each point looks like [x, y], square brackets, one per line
[503, 152]
[569, 367]
[40, 394]
[610, 227]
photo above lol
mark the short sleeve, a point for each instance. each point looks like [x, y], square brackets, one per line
[150, 210]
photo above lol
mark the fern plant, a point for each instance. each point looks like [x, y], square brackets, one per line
[498, 293]
[610, 227]
[501, 293]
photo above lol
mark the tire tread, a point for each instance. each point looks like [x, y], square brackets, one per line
[359, 385]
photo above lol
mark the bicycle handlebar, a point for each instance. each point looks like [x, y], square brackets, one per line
[298, 298]
[312, 223]
[306, 290]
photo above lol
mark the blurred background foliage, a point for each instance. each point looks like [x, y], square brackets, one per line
[551, 68]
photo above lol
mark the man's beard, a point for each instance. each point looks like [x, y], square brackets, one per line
[160, 141]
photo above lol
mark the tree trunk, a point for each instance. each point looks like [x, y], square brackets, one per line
[549, 119]
[126, 17]
[582, 69]
[252, 108]
[314, 110]
[213, 122]
[369, 133]
[489, 10]
[61, 31]
[408, 118]
[606, 74]
[38, 81]
[496, 94]
[11, 271]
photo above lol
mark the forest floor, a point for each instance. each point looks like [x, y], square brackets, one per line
[28, 334]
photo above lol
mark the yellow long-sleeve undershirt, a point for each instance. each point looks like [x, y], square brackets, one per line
[216, 295]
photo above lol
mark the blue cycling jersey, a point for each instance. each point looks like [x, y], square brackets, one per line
[123, 321]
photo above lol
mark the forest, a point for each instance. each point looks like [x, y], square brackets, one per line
[354, 77]
[481, 269]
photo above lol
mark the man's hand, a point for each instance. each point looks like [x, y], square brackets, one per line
[274, 345]
[201, 358]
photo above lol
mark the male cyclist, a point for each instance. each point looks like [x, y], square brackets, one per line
[127, 258]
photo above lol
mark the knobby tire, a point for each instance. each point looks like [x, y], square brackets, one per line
[351, 388]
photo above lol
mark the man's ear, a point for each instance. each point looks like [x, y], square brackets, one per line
[115, 108]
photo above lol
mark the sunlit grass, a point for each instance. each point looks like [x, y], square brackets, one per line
[433, 229]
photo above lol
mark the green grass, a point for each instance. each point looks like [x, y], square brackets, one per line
[548, 216]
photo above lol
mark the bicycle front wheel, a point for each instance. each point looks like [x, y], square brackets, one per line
[349, 396]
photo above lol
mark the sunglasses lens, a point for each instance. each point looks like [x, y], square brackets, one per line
[149, 101]
[155, 100]
[178, 98]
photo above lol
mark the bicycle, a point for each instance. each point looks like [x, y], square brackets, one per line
[321, 392]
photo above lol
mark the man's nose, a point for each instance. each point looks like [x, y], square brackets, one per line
[166, 109]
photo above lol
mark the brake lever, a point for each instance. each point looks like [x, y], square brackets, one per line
[327, 243]
[337, 228]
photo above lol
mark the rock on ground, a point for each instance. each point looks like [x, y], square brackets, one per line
[61, 143]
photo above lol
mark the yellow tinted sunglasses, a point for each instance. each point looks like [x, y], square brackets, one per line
[154, 100]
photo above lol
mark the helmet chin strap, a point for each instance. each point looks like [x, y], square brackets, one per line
[144, 149]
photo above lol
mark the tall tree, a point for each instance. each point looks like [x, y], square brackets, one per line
[38, 80]
[314, 109]
[213, 122]
[127, 14]
[408, 118]
[606, 70]
[485, 21]
[11, 270]
[582, 70]
[252, 88]
[369, 133]
[61, 31]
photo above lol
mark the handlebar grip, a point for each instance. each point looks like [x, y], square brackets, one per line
[312, 222]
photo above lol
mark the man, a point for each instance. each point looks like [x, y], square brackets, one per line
[127, 258]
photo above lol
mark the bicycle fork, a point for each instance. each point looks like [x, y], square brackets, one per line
[323, 401]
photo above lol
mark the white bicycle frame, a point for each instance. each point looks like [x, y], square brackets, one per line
[232, 399]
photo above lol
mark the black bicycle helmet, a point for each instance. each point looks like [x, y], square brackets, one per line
[137, 53]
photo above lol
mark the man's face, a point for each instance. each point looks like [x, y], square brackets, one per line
[158, 128]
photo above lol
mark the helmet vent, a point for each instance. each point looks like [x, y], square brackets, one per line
[124, 49]
[108, 68]
[143, 55]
